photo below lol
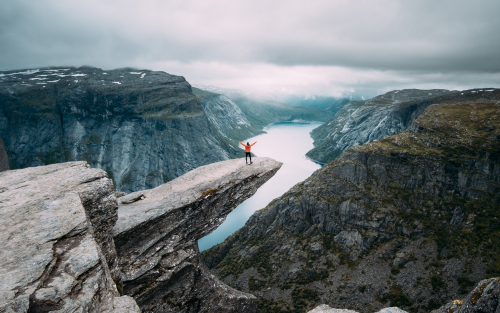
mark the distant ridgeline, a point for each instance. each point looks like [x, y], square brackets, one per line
[410, 220]
[143, 127]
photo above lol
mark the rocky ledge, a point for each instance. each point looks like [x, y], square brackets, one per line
[60, 224]
[157, 231]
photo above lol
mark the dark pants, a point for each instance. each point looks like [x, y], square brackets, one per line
[249, 154]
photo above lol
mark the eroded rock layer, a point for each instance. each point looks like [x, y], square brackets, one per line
[157, 231]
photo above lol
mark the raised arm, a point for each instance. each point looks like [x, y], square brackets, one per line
[253, 143]
[244, 145]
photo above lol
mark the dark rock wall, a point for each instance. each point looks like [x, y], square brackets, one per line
[4, 160]
[144, 129]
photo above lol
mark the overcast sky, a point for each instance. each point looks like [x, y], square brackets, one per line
[300, 47]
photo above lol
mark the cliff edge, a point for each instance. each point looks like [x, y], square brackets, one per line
[157, 231]
[69, 246]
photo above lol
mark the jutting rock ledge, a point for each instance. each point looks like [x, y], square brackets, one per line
[68, 245]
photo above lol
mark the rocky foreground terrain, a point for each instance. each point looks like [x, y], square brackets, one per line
[144, 128]
[411, 221]
[360, 122]
[69, 245]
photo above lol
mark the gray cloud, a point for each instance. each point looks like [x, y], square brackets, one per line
[387, 42]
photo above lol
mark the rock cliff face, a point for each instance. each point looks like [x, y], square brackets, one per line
[69, 247]
[142, 127]
[4, 160]
[156, 237]
[225, 116]
[360, 122]
[55, 229]
[410, 221]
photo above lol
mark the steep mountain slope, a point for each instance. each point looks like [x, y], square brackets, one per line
[261, 112]
[143, 127]
[411, 220]
[382, 116]
[330, 131]
[225, 116]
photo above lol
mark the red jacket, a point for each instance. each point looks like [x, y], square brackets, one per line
[247, 148]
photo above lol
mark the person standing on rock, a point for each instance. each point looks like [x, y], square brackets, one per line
[248, 147]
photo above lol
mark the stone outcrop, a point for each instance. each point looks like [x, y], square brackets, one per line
[327, 309]
[157, 231]
[4, 160]
[60, 224]
[55, 229]
[360, 122]
[410, 220]
[485, 298]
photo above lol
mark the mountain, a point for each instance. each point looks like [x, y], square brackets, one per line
[360, 122]
[142, 127]
[264, 111]
[411, 220]
[332, 104]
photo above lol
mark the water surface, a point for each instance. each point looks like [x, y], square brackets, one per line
[287, 143]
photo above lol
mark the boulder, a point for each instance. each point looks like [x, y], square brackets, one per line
[327, 309]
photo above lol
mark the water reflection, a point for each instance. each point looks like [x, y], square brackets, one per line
[287, 143]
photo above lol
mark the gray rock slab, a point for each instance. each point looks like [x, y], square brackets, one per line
[392, 310]
[125, 304]
[52, 256]
[327, 309]
[157, 231]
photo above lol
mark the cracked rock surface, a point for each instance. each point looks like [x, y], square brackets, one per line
[56, 245]
[157, 231]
